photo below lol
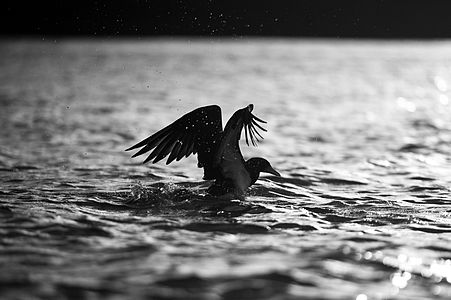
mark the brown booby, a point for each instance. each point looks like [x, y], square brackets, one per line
[218, 152]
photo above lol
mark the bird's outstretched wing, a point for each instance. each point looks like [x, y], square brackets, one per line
[249, 123]
[198, 131]
[229, 149]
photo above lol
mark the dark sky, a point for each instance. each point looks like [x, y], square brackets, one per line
[307, 18]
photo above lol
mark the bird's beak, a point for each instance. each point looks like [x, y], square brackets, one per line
[270, 170]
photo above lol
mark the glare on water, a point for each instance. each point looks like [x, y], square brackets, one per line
[360, 132]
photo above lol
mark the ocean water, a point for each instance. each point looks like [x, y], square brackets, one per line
[360, 131]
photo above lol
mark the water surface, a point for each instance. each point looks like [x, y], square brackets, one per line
[361, 132]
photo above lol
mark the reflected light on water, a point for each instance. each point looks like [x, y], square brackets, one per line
[406, 104]
[400, 279]
[433, 160]
[440, 83]
[442, 269]
[436, 290]
[438, 269]
[443, 99]
[361, 297]
[361, 211]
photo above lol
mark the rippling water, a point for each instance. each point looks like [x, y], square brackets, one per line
[361, 132]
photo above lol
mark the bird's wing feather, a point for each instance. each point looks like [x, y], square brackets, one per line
[229, 157]
[198, 131]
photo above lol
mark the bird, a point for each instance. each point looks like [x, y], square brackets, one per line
[218, 151]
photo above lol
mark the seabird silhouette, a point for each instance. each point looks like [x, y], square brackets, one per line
[218, 151]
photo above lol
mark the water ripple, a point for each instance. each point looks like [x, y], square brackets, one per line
[359, 132]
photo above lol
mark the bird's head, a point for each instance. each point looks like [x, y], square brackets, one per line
[256, 165]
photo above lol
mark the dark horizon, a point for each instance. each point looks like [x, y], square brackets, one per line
[394, 19]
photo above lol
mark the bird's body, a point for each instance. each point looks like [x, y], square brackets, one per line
[218, 152]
